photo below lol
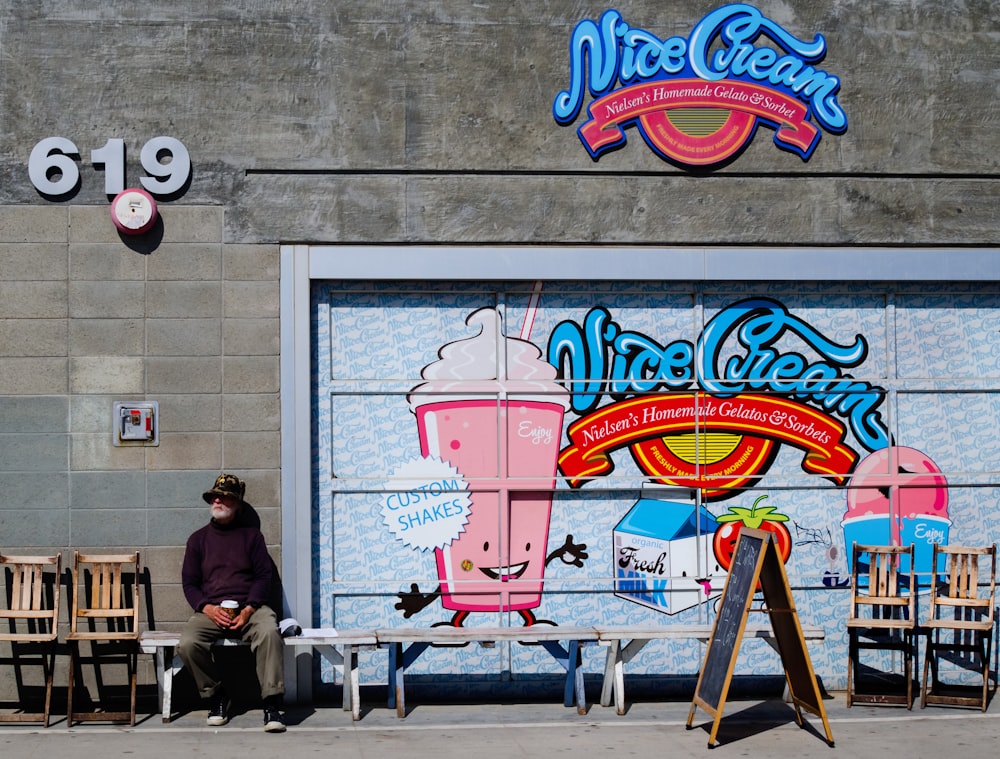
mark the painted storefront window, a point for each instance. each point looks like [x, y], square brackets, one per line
[582, 453]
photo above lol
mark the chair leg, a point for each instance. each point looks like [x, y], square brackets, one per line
[73, 658]
[928, 655]
[131, 660]
[133, 666]
[908, 667]
[49, 665]
[851, 654]
[987, 640]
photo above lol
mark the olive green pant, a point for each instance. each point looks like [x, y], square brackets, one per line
[261, 632]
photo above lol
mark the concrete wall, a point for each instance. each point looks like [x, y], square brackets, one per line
[401, 122]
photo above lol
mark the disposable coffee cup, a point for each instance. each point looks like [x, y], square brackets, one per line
[231, 607]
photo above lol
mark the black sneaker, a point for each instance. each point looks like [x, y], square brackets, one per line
[273, 721]
[218, 712]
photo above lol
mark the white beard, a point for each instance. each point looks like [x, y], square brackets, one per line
[221, 513]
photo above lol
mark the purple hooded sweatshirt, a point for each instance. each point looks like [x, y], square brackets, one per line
[226, 561]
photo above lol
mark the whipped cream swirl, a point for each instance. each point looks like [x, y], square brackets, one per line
[473, 368]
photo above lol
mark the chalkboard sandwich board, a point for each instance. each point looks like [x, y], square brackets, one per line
[756, 560]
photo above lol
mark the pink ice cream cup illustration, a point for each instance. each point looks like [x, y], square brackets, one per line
[898, 496]
[491, 408]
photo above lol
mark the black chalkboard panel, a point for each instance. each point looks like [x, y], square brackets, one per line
[802, 685]
[737, 597]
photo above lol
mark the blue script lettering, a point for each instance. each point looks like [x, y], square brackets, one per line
[759, 324]
[618, 53]
[600, 43]
[738, 26]
[599, 357]
[600, 351]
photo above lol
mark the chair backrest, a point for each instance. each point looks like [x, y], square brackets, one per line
[32, 597]
[969, 584]
[105, 594]
[882, 590]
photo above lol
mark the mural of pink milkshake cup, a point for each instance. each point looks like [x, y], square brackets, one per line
[898, 496]
[502, 435]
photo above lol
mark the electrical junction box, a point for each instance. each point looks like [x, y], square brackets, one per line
[136, 423]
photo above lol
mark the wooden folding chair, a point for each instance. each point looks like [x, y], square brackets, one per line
[32, 617]
[105, 613]
[883, 617]
[960, 624]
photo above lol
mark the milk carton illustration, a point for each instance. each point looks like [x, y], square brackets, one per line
[662, 551]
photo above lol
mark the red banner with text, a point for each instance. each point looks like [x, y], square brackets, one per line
[760, 423]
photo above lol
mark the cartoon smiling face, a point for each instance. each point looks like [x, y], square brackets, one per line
[497, 563]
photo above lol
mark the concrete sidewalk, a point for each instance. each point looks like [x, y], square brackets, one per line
[749, 727]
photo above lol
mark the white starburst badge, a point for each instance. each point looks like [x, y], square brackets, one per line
[426, 504]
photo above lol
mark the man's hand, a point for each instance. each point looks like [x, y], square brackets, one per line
[221, 618]
[217, 614]
[241, 619]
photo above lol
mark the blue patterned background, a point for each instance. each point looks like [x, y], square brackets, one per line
[936, 356]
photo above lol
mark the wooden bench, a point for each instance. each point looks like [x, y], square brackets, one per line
[406, 644]
[625, 642]
[325, 641]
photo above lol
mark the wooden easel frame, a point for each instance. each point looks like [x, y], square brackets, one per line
[756, 560]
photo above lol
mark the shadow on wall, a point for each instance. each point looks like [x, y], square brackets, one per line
[101, 678]
[275, 599]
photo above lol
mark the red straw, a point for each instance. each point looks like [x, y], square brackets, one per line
[529, 314]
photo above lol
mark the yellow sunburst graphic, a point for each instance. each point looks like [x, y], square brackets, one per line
[698, 122]
[704, 448]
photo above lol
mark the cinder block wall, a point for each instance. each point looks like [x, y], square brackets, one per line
[87, 318]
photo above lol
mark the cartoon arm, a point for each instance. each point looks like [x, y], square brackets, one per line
[569, 553]
[415, 601]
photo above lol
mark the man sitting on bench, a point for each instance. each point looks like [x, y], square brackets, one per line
[226, 564]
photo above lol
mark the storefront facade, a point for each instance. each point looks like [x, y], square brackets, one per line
[484, 351]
